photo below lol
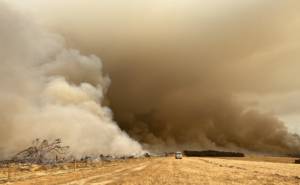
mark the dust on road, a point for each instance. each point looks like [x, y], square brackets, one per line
[171, 171]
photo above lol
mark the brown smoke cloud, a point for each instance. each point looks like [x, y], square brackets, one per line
[182, 70]
[49, 91]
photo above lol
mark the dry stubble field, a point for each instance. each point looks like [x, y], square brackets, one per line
[168, 171]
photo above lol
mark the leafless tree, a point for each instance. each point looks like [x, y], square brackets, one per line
[42, 151]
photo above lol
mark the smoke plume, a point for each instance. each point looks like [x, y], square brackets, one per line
[49, 91]
[184, 73]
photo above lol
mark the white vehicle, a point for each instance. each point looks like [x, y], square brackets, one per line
[178, 155]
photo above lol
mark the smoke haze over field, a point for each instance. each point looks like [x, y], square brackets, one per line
[187, 74]
[48, 91]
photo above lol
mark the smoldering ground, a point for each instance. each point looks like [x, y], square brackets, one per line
[180, 70]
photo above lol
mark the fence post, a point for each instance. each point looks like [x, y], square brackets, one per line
[74, 164]
[8, 172]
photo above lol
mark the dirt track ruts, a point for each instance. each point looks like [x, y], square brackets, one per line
[171, 171]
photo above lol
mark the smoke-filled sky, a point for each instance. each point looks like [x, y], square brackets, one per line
[191, 74]
[50, 91]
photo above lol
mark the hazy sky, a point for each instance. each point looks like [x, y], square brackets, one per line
[158, 51]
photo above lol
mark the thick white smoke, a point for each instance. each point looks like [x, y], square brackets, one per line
[49, 91]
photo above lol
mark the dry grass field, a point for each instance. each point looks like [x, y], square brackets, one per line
[208, 171]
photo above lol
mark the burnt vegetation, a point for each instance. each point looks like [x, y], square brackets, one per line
[212, 153]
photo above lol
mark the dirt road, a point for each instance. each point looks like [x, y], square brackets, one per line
[171, 171]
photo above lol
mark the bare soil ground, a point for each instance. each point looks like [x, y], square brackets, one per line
[213, 171]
